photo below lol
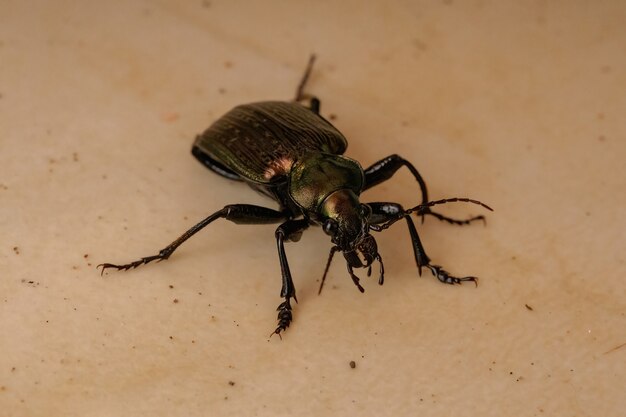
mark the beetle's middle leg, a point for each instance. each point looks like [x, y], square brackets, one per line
[382, 212]
[385, 168]
[237, 213]
[291, 230]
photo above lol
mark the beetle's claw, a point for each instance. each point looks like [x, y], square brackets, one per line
[445, 277]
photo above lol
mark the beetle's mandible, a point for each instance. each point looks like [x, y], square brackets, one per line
[290, 153]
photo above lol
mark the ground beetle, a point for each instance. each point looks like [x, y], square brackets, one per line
[290, 153]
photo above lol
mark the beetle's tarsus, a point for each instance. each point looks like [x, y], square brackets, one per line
[445, 277]
[284, 318]
[131, 265]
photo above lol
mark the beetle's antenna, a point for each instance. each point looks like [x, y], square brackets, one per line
[420, 210]
[300, 91]
[330, 258]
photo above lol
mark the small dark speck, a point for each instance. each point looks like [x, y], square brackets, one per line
[3, 388]
[231, 383]
[171, 337]
[86, 256]
[3, 187]
[228, 64]
[601, 138]
[587, 213]
[75, 156]
[352, 364]
[420, 44]
[171, 286]
[528, 307]
[175, 300]
[221, 90]
[226, 397]
[332, 116]
[16, 250]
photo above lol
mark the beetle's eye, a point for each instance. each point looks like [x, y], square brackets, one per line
[366, 210]
[330, 227]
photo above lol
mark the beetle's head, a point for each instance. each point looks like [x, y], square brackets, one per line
[346, 221]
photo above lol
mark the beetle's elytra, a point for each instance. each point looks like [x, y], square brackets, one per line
[290, 153]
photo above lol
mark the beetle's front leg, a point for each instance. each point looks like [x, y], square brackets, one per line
[385, 168]
[291, 230]
[382, 212]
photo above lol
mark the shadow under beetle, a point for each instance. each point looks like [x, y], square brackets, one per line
[290, 153]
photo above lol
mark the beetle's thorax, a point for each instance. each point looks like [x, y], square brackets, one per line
[317, 175]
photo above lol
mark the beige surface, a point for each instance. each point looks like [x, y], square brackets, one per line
[520, 105]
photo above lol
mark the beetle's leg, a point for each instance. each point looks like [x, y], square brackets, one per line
[237, 213]
[381, 212]
[314, 104]
[291, 230]
[385, 168]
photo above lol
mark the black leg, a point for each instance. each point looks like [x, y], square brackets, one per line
[291, 230]
[385, 168]
[382, 212]
[237, 213]
[314, 103]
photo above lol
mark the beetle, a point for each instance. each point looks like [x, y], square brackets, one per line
[289, 152]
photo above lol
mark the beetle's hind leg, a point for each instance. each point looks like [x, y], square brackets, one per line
[382, 212]
[385, 168]
[314, 103]
[237, 213]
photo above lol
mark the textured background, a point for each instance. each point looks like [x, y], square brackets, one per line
[519, 104]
